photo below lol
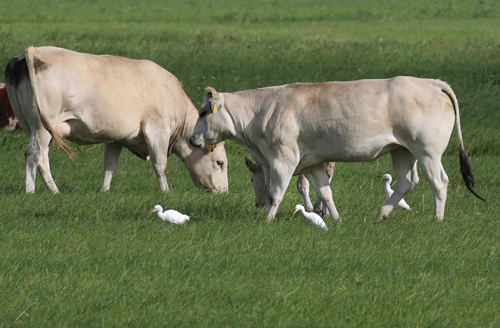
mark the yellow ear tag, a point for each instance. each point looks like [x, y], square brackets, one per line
[215, 109]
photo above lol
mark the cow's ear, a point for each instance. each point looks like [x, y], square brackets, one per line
[249, 164]
[210, 93]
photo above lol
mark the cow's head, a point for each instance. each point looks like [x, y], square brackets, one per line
[207, 167]
[258, 182]
[214, 123]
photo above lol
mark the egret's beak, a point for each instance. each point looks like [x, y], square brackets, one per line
[294, 213]
[152, 210]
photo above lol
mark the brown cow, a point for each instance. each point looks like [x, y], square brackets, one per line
[7, 117]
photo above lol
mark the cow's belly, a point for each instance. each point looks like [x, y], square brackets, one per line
[77, 131]
[342, 150]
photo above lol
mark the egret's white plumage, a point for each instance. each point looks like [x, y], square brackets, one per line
[171, 216]
[313, 218]
[389, 192]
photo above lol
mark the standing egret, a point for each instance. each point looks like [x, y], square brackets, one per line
[171, 216]
[389, 191]
[313, 218]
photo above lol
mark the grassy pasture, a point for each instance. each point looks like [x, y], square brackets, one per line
[84, 258]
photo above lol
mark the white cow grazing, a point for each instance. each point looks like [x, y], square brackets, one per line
[259, 186]
[118, 101]
[295, 128]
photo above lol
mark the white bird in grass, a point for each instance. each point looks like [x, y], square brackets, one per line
[171, 216]
[313, 218]
[389, 192]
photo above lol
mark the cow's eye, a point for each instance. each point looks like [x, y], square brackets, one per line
[202, 114]
[220, 163]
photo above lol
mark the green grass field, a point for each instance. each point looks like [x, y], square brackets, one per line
[85, 259]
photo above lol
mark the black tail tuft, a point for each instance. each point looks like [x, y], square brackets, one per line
[467, 173]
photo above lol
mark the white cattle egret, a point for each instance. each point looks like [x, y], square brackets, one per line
[313, 218]
[389, 191]
[170, 216]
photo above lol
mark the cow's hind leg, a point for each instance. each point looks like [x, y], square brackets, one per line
[321, 184]
[37, 157]
[405, 166]
[111, 156]
[434, 173]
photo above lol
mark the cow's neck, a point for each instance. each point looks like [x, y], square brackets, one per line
[180, 142]
[242, 110]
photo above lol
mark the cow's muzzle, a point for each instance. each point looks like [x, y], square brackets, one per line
[196, 142]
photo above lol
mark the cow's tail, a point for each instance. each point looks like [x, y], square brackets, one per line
[29, 54]
[465, 168]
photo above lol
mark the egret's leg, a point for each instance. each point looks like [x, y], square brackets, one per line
[320, 182]
[405, 166]
[111, 156]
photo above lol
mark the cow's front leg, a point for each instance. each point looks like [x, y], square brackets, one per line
[160, 167]
[280, 175]
[111, 156]
[157, 141]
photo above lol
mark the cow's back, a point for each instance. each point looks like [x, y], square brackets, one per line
[104, 97]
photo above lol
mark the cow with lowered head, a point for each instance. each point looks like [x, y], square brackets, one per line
[121, 102]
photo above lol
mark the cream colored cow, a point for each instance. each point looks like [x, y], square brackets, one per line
[117, 101]
[295, 128]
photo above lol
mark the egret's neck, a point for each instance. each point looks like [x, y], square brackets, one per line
[387, 187]
[303, 211]
[160, 211]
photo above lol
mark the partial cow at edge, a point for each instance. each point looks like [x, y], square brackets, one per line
[7, 117]
[117, 101]
[295, 128]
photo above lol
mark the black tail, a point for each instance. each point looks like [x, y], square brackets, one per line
[464, 162]
[467, 173]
